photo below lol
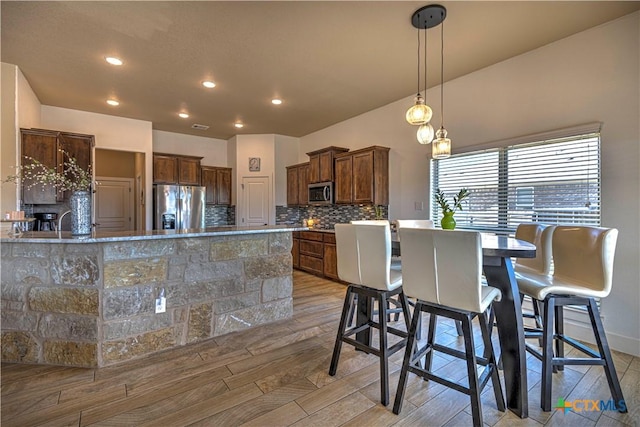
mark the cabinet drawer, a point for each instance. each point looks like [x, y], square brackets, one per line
[329, 238]
[311, 248]
[311, 235]
[311, 264]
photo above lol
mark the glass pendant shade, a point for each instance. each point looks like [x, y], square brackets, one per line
[441, 148]
[425, 133]
[420, 113]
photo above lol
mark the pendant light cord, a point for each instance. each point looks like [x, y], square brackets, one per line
[418, 57]
[425, 62]
[442, 74]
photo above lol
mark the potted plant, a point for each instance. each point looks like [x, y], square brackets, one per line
[71, 178]
[448, 222]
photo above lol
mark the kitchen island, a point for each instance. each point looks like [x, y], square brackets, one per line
[91, 301]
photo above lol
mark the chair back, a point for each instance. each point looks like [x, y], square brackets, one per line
[374, 251]
[347, 254]
[370, 222]
[540, 235]
[584, 255]
[442, 267]
[414, 223]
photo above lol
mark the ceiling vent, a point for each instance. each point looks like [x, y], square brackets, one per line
[199, 127]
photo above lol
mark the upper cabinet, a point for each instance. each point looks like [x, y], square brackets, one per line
[321, 164]
[298, 184]
[174, 169]
[362, 176]
[217, 181]
[45, 146]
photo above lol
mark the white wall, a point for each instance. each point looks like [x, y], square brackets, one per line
[262, 146]
[20, 109]
[111, 132]
[591, 76]
[213, 151]
[286, 153]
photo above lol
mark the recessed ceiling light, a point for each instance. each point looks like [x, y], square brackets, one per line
[276, 101]
[184, 115]
[238, 125]
[208, 84]
[113, 60]
[113, 102]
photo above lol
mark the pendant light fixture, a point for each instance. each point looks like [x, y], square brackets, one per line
[420, 113]
[441, 148]
[425, 131]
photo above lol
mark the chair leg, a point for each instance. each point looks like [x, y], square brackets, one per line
[406, 361]
[341, 328]
[485, 329]
[431, 333]
[405, 311]
[384, 356]
[605, 353]
[559, 332]
[547, 354]
[474, 387]
[352, 308]
[459, 328]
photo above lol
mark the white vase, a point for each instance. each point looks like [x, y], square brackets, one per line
[80, 204]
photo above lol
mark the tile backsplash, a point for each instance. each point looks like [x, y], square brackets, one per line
[326, 217]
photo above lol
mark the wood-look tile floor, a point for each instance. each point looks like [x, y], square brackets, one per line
[276, 375]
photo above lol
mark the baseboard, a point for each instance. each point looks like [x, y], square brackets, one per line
[578, 326]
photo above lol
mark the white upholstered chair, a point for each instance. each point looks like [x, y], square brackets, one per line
[442, 269]
[582, 271]
[364, 257]
[414, 223]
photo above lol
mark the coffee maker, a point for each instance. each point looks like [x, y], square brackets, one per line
[45, 221]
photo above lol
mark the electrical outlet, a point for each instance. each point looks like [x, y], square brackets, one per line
[161, 302]
[419, 205]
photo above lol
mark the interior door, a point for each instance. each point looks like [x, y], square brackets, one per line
[114, 204]
[256, 201]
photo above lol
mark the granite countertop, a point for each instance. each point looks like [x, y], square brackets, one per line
[120, 236]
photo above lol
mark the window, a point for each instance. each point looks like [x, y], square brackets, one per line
[553, 181]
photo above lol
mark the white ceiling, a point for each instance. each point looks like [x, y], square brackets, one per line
[329, 60]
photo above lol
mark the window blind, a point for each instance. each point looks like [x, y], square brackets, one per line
[552, 181]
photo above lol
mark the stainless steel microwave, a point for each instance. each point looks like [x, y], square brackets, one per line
[321, 193]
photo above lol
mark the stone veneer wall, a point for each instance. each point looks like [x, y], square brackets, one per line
[93, 304]
[326, 216]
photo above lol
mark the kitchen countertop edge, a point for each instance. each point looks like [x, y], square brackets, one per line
[122, 236]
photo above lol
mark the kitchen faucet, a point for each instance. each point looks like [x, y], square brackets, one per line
[60, 221]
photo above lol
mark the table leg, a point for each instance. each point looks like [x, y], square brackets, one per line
[499, 274]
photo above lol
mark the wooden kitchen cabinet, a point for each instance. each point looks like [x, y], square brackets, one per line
[217, 181]
[330, 256]
[362, 176]
[321, 164]
[295, 249]
[45, 146]
[311, 252]
[297, 184]
[174, 169]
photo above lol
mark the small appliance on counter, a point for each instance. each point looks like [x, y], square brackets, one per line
[45, 221]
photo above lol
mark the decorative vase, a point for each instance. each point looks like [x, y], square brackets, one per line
[448, 222]
[80, 204]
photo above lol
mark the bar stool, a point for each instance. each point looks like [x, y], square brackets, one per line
[442, 270]
[582, 271]
[364, 257]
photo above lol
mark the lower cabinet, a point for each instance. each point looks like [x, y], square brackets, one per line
[315, 253]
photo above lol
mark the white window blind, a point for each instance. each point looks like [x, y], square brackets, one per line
[553, 181]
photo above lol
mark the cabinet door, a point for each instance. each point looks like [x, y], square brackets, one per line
[295, 253]
[344, 179]
[363, 177]
[292, 185]
[303, 184]
[208, 180]
[326, 166]
[43, 147]
[78, 147]
[330, 261]
[314, 169]
[223, 186]
[165, 169]
[188, 171]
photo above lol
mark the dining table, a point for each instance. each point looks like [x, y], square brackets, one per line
[497, 251]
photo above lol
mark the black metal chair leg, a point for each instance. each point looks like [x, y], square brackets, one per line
[485, 329]
[605, 353]
[384, 356]
[408, 355]
[474, 387]
[431, 333]
[341, 328]
[559, 344]
[547, 354]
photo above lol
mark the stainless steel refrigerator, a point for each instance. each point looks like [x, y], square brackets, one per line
[178, 207]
